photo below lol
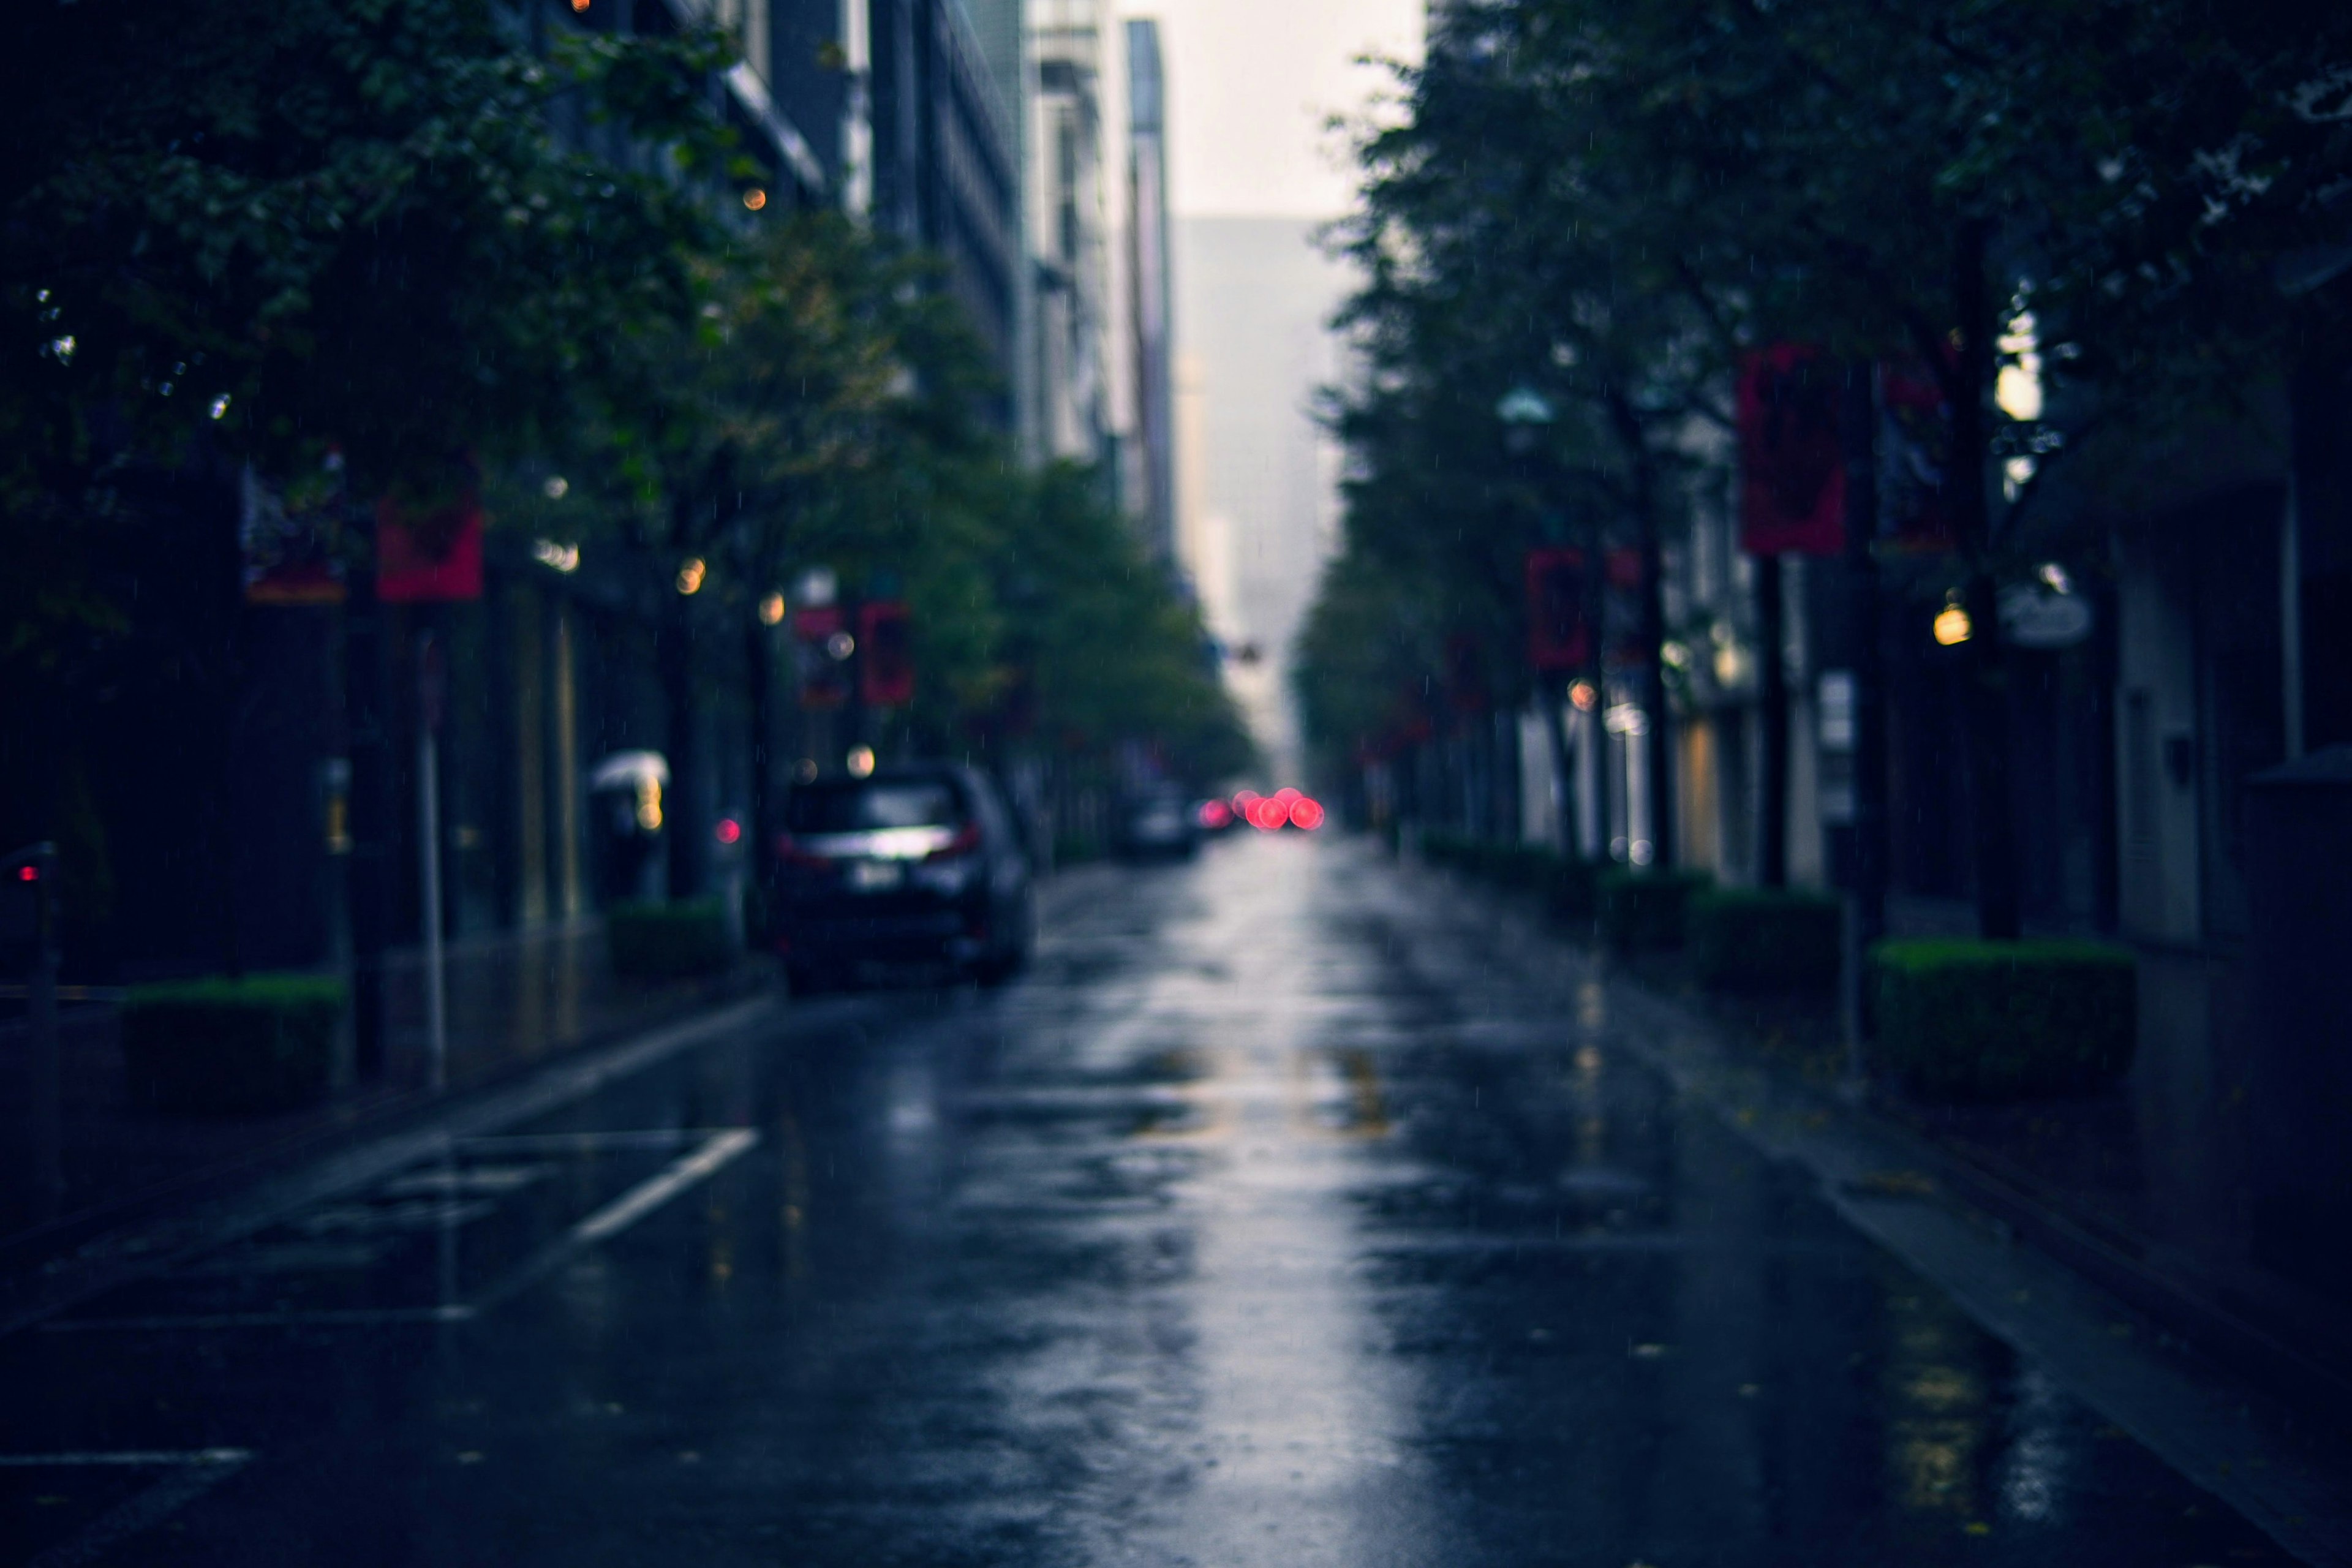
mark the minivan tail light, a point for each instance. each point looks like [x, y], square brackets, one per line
[966, 840]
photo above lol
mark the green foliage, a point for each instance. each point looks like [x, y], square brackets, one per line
[1608, 202]
[669, 942]
[1764, 939]
[221, 1047]
[828, 404]
[265, 231]
[1962, 1020]
[1645, 910]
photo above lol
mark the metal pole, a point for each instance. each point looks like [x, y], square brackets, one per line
[49, 1139]
[1772, 708]
[429, 849]
[1865, 902]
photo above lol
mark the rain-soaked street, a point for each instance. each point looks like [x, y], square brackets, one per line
[1271, 1220]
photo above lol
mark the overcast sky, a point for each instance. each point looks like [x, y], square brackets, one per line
[1253, 81]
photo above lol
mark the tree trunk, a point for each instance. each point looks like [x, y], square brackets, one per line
[1772, 712]
[1998, 900]
[1860, 427]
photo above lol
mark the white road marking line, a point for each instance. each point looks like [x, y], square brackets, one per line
[719, 1145]
[193, 1474]
[107, 1263]
[589, 1143]
[634, 1205]
[626, 1210]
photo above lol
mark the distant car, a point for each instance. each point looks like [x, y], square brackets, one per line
[1155, 825]
[911, 865]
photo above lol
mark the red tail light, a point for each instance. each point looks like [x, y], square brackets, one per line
[966, 840]
[1306, 814]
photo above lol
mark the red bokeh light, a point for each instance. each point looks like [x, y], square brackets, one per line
[1286, 795]
[1268, 815]
[1306, 814]
[1215, 813]
[727, 831]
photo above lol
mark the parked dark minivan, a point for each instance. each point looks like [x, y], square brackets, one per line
[913, 865]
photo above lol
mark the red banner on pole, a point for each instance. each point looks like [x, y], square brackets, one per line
[1791, 467]
[886, 671]
[429, 557]
[1558, 636]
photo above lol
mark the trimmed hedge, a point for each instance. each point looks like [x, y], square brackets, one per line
[669, 942]
[1969, 1020]
[224, 1047]
[1645, 909]
[1764, 939]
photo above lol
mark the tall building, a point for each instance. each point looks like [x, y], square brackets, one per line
[1253, 295]
[1002, 29]
[1151, 307]
[1078, 135]
[906, 113]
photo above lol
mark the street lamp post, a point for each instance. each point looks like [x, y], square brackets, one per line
[1527, 414]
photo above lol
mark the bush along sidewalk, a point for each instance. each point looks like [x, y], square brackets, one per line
[1982, 1021]
[221, 1047]
[1644, 911]
[669, 942]
[1763, 938]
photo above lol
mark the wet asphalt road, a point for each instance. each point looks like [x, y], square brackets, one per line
[1264, 1223]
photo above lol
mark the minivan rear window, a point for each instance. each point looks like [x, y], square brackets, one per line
[865, 806]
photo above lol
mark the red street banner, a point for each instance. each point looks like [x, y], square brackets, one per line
[1792, 467]
[429, 557]
[1557, 638]
[886, 671]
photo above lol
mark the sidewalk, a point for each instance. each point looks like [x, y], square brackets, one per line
[514, 998]
[2121, 1186]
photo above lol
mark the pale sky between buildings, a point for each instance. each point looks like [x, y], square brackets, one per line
[1255, 170]
[1251, 83]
